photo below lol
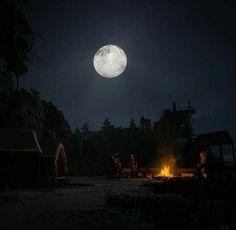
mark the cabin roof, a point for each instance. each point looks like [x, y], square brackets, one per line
[215, 138]
[19, 140]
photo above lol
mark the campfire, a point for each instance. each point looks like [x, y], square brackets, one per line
[166, 172]
[168, 164]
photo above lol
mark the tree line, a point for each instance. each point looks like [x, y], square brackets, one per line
[97, 147]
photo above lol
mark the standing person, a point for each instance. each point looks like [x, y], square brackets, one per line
[118, 165]
[113, 170]
[133, 165]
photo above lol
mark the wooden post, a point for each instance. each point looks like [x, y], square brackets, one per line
[221, 153]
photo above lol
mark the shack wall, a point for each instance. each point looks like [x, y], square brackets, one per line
[19, 169]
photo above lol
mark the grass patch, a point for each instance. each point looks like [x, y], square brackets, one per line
[183, 205]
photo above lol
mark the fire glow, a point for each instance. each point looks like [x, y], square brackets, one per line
[165, 171]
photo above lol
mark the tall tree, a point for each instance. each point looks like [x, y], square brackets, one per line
[77, 132]
[16, 40]
[132, 125]
[106, 125]
[85, 128]
[145, 123]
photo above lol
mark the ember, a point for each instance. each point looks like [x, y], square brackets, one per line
[165, 171]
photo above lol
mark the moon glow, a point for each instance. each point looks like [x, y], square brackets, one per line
[110, 61]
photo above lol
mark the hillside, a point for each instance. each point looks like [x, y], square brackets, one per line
[23, 109]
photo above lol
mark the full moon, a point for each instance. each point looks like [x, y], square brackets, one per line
[110, 61]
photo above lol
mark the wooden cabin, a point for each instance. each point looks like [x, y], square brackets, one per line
[20, 155]
[54, 161]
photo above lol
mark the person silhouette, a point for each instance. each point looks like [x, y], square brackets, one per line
[133, 165]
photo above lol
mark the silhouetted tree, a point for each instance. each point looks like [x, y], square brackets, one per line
[145, 123]
[85, 128]
[106, 125]
[77, 132]
[132, 125]
[16, 40]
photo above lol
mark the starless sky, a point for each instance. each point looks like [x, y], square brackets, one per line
[176, 50]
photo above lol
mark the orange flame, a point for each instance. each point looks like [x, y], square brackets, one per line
[165, 171]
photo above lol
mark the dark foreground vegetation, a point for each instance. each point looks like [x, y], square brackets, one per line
[183, 204]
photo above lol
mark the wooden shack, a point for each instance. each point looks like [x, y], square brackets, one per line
[19, 158]
[54, 161]
[218, 139]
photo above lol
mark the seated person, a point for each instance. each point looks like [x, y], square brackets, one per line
[203, 167]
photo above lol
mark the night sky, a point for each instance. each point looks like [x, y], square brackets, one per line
[176, 50]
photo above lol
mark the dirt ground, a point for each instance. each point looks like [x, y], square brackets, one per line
[78, 206]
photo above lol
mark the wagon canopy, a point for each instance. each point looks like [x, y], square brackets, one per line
[215, 138]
